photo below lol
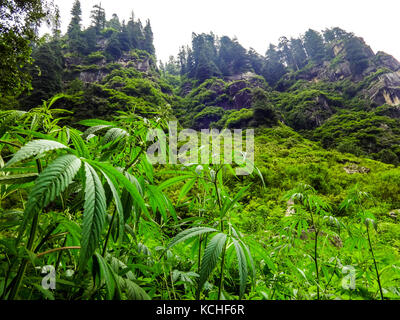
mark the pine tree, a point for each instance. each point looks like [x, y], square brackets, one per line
[183, 60]
[286, 52]
[232, 57]
[76, 19]
[256, 61]
[204, 56]
[123, 37]
[148, 39]
[172, 66]
[74, 33]
[273, 69]
[98, 17]
[314, 45]
[135, 33]
[114, 23]
[356, 54]
[298, 52]
[56, 24]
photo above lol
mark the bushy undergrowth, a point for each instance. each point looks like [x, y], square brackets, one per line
[114, 227]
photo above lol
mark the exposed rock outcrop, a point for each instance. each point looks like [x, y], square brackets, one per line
[385, 60]
[353, 168]
[140, 64]
[386, 89]
[92, 76]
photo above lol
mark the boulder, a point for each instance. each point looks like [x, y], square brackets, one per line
[394, 214]
[353, 168]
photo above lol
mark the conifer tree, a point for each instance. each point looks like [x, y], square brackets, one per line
[298, 53]
[232, 57]
[56, 24]
[74, 33]
[148, 39]
[76, 19]
[114, 22]
[273, 69]
[98, 17]
[314, 45]
[256, 61]
[286, 52]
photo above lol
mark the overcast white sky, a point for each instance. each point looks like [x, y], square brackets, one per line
[256, 23]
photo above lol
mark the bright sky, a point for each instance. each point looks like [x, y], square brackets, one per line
[256, 23]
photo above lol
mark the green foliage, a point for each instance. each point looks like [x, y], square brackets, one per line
[314, 45]
[18, 23]
[206, 116]
[116, 227]
[361, 133]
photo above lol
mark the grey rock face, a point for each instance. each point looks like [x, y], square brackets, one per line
[387, 61]
[386, 89]
[92, 76]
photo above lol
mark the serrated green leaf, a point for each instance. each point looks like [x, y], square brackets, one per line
[228, 204]
[93, 215]
[134, 292]
[79, 144]
[120, 210]
[242, 266]
[174, 180]
[18, 178]
[124, 182]
[51, 183]
[34, 148]
[114, 134]
[106, 275]
[190, 233]
[210, 257]
[186, 189]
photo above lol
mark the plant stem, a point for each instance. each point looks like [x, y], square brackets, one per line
[22, 268]
[316, 259]
[21, 271]
[376, 267]
[57, 249]
[166, 283]
[108, 233]
[221, 280]
[135, 159]
[172, 284]
[199, 259]
[60, 254]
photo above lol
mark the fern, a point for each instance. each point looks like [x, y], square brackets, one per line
[33, 148]
[93, 215]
